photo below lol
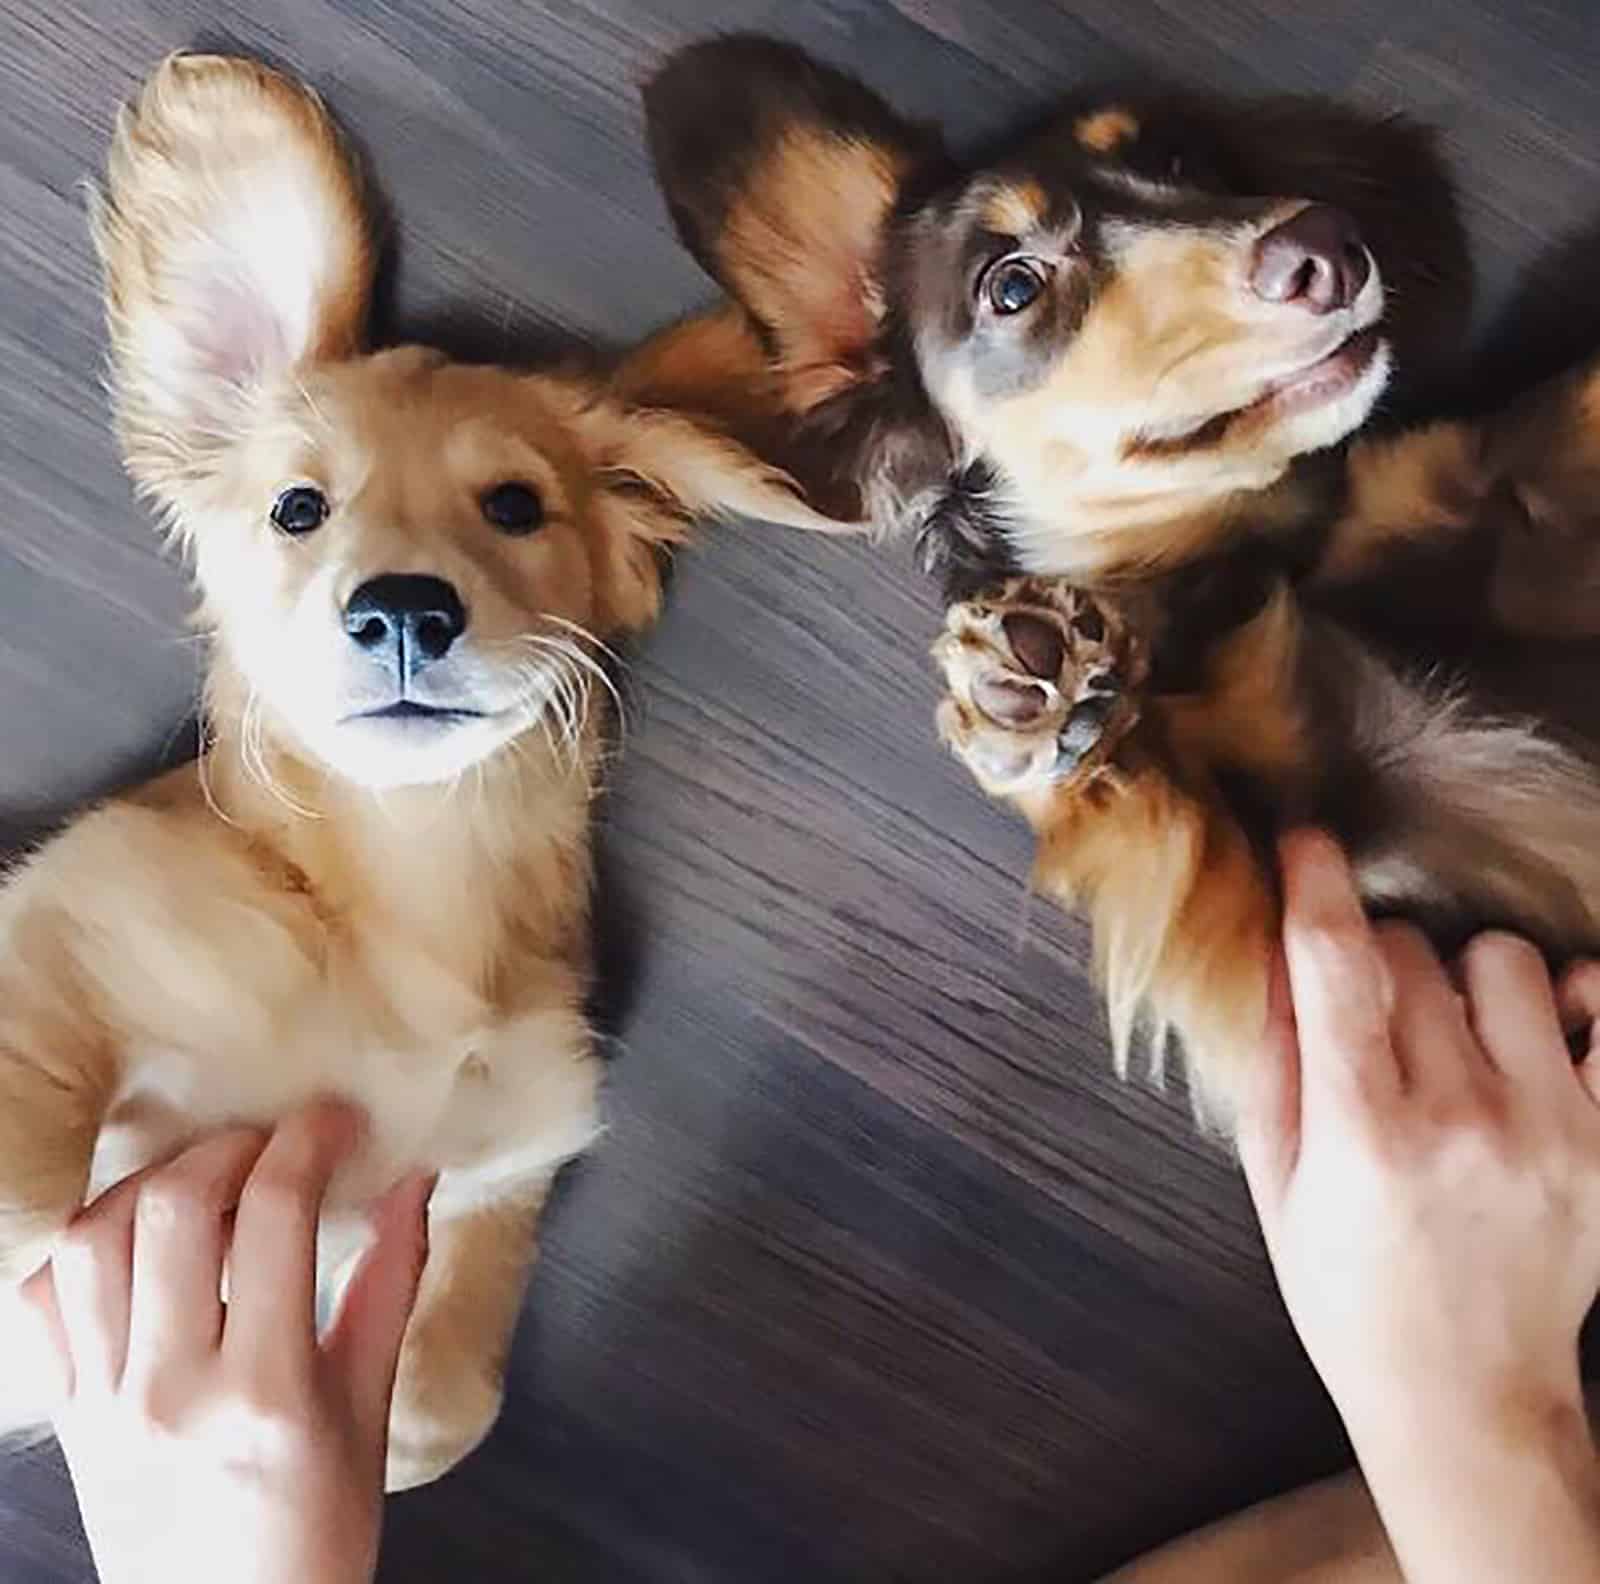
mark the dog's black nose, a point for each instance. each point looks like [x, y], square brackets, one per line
[404, 618]
[1317, 260]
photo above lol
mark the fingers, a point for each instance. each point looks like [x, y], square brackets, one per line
[92, 1271]
[180, 1239]
[37, 1350]
[1578, 1003]
[1513, 1010]
[363, 1345]
[1339, 980]
[272, 1273]
[1434, 1043]
[1269, 1116]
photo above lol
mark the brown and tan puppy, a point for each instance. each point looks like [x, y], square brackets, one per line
[1109, 392]
[376, 880]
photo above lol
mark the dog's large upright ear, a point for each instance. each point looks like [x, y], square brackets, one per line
[781, 175]
[236, 250]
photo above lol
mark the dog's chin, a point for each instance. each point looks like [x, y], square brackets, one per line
[399, 748]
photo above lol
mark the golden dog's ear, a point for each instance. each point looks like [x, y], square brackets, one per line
[236, 250]
[657, 472]
[781, 175]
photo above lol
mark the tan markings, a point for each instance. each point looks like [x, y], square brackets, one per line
[1247, 715]
[1182, 915]
[1182, 918]
[1424, 485]
[803, 242]
[1119, 454]
[1105, 131]
[1017, 209]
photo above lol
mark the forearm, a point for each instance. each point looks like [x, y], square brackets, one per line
[1468, 1500]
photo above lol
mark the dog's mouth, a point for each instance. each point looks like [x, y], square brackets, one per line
[413, 710]
[1331, 377]
[1326, 380]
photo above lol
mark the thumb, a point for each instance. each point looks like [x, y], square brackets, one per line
[363, 1344]
[39, 1373]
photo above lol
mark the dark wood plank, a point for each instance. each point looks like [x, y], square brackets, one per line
[878, 1273]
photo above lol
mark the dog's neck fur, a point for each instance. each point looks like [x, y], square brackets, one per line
[1099, 540]
[984, 526]
[477, 874]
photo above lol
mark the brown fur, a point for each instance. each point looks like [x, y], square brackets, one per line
[1124, 430]
[807, 280]
[328, 902]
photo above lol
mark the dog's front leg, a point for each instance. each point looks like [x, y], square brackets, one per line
[58, 1071]
[1488, 525]
[452, 1367]
[1045, 707]
[1543, 513]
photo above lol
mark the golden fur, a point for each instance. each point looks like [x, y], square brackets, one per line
[328, 901]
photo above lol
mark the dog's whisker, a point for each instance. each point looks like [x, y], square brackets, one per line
[582, 633]
[202, 769]
[252, 755]
[585, 665]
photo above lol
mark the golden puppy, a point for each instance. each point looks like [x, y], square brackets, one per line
[376, 880]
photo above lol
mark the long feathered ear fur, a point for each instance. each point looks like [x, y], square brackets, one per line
[657, 471]
[784, 177]
[781, 175]
[236, 250]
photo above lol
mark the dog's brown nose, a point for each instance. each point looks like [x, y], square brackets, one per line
[1316, 259]
[405, 619]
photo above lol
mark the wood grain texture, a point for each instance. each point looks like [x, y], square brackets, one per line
[878, 1274]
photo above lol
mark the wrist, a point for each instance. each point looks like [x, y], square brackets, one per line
[1531, 1413]
[1470, 1486]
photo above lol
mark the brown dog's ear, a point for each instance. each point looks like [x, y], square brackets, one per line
[236, 249]
[781, 175]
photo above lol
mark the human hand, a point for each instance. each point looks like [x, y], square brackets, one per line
[1425, 1160]
[209, 1439]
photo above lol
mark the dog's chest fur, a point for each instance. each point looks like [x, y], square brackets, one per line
[434, 972]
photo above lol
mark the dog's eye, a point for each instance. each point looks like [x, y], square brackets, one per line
[513, 508]
[1013, 284]
[299, 509]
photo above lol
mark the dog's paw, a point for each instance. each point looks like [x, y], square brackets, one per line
[1042, 679]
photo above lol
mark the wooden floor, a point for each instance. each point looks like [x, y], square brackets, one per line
[878, 1274]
